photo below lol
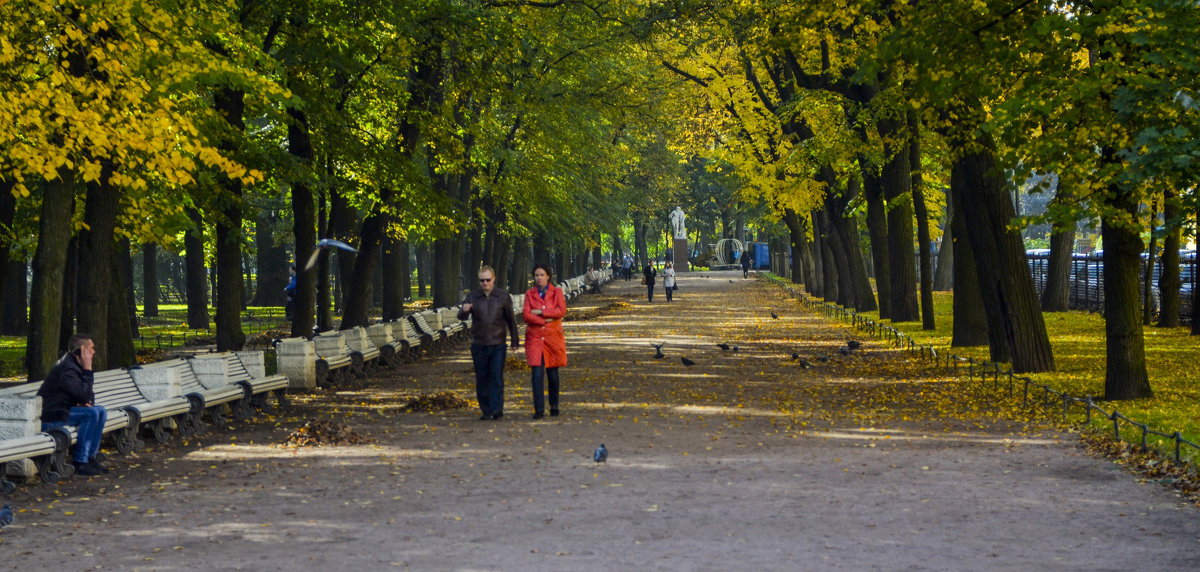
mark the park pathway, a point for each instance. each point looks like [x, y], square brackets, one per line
[744, 461]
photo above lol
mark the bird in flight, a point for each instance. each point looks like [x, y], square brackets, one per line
[658, 350]
[322, 244]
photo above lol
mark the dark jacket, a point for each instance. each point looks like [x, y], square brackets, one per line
[67, 385]
[490, 316]
[649, 273]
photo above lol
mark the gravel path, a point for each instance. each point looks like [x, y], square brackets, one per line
[744, 461]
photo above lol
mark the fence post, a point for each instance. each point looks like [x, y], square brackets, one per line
[1116, 425]
[1177, 438]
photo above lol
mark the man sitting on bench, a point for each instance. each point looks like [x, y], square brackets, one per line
[67, 399]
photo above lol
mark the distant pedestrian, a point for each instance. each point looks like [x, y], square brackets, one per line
[648, 274]
[669, 280]
[289, 310]
[545, 344]
[491, 312]
[746, 260]
[627, 267]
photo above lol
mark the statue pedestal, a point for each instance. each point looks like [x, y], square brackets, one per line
[679, 259]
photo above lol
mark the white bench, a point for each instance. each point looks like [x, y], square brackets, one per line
[334, 362]
[152, 404]
[245, 369]
[397, 341]
[432, 339]
[359, 342]
[207, 393]
[24, 448]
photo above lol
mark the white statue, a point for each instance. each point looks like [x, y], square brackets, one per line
[677, 223]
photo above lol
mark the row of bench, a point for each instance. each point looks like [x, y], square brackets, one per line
[335, 357]
[174, 397]
[182, 397]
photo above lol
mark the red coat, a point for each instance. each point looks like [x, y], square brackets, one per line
[544, 334]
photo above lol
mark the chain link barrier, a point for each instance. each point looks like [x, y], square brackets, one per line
[1048, 398]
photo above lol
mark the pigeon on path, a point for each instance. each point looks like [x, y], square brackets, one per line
[6, 516]
[326, 243]
[823, 359]
[805, 363]
[774, 316]
[601, 454]
[844, 351]
[687, 362]
[658, 351]
[853, 344]
[723, 346]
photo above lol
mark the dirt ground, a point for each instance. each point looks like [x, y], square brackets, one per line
[745, 460]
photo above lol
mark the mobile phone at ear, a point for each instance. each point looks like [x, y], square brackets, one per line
[78, 352]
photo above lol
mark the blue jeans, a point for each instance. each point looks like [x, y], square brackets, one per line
[489, 377]
[539, 394]
[90, 421]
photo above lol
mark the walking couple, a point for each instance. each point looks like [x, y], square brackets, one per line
[491, 311]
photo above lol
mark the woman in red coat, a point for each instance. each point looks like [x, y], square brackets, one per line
[545, 346]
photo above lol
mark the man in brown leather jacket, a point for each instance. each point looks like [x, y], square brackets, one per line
[491, 312]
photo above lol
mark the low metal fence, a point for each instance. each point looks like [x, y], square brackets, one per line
[1047, 398]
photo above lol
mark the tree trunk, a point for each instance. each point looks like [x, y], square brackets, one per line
[503, 261]
[447, 267]
[928, 321]
[639, 240]
[343, 219]
[818, 257]
[797, 238]
[197, 286]
[304, 227]
[943, 276]
[69, 293]
[970, 325]
[229, 289]
[1056, 297]
[150, 280]
[902, 265]
[520, 265]
[230, 104]
[833, 238]
[1125, 374]
[846, 226]
[271, 261]
[324, 270]
[877, 229]
[1148, 269]
[8, 210]
[118, 349]
[49, 262]
[1006, 284]
[16, 303]
[394, 263]
[423, 270]
[829, 271]
[125, 252]
[1169, 282]
[96, 255]
[357, 301]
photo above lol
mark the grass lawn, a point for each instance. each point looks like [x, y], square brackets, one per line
[1172, 361]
